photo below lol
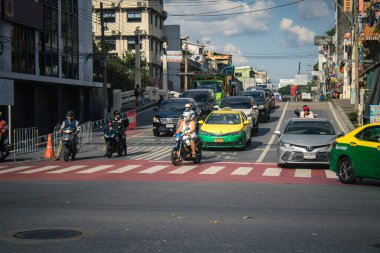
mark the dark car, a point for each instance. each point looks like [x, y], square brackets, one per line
[270, 96]
[262, 102]
[168, 113]
[204, 100]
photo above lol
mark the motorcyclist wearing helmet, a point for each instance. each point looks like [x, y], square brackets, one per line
[188, 127]
[72, 124]
[119, 125]
[187, 109]
[3, 134]
[306, 113]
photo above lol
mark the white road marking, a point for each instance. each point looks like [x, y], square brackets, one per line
[302, 173]
[272, 172]
[230, 157]
[2, 167]
[95, 169]
[330, 174]
[15, 169]
[153, 169]
[336, 118]
[266, 149]
[124, 169]
[212, 170]
[163, 152]
[183, 170]
[242, 171]
[145, 151]
[71, 168]
[38, 170]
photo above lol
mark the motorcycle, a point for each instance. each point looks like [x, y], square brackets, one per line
[6, 151]
[182, 150]
[113, 141]
[297, 112]
[69, 147]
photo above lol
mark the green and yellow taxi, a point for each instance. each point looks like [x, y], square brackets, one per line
[225, 129]
[357, 154]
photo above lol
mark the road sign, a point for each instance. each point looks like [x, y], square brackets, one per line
[323, 40]
[374, 113]
[7, 92]
[173, 56]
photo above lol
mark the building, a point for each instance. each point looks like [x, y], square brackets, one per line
[262, 78]
[123, 19]
[172, 34]
[46, 49]
[246, 74]
[217, 61]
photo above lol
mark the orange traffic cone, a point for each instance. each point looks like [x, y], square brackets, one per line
[49, 153]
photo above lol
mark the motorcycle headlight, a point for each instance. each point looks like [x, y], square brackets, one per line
[249, 115]
[156, 120]
[113, 135]
[261, 107]
[284, 144]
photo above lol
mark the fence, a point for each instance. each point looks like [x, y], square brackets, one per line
[56, 138]
[25, 141]
[85, 135]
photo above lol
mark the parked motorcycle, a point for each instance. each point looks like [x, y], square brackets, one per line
[113, 141]
[182, 150]
[69, 147]
[6, 151]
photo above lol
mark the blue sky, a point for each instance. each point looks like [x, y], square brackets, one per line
[257, 38]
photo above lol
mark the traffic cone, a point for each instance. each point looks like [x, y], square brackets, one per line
[49, 153]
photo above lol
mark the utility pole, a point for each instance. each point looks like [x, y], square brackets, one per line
[137, 57]
[104, 64]
[165, 69]
[186, 62]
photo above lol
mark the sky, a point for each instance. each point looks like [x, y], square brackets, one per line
[273, 35]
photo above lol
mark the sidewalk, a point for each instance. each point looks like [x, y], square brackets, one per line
[341, 106]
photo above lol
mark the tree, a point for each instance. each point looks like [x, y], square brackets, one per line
[284, 90]
[331, 32]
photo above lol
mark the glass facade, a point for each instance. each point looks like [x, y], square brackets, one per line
[23, 53]
[48, 46]
[69, 38]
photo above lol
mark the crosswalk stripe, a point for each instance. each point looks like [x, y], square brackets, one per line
[302, 173]
[157, 154]
[153, 169]
[71, 168]
[124, 169]
[182, 170]
[2, 167]
[146, 151]
[15, 169]
[38, 170]
[95, 169]
[272, 172]
[242, 171]
[212, 170]
[330, 174]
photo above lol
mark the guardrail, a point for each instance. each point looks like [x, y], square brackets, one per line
[85, 135]
[25, 141]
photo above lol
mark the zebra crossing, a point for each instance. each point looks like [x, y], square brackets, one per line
[137, 170]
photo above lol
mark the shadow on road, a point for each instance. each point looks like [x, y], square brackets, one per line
[262, 132]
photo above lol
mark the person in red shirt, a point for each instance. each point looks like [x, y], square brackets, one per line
[3, 134]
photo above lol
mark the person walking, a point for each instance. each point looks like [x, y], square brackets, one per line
[137, 94]
[3, 136]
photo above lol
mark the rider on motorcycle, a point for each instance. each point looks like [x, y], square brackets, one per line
[188, 127]
[306, 113]
[118, 125]
[187, 109]
[72, 124]
[3, 134]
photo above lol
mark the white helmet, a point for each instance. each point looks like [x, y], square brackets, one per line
[187, 106]
[186, 116]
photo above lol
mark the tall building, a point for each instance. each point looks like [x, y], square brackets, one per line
[122, 19]
[46, 49]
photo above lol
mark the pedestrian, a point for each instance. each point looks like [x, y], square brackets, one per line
[137, 94]
[142, 91]
[3, 135]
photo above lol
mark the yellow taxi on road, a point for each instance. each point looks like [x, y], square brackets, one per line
[357, 154]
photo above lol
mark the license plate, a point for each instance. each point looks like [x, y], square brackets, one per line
[310, 156]
[170, 125]
[218, 140]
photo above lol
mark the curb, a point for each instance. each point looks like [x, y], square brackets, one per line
[343, 116]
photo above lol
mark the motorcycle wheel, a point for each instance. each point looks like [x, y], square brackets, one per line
[66, 154]
[176, 160]
[198, 157]
[108, 151]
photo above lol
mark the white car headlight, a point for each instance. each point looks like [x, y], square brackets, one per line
[286, 145]
[249, 115]
[261, 107]
[156, 120]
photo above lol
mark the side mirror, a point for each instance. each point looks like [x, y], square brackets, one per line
[200, 122]
[277, 133]
[155, 109]
[246, 122]
[341, 134]
[255, 107]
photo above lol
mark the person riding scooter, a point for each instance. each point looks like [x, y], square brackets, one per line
[188, 126]
[119, 125]
[72, 124]
[306, 113]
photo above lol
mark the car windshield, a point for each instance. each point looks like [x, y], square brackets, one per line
[198, 97]
[309, 127]
[223, 119]
[173, 105]
[215, 86]
[236, 104]
[258, 96]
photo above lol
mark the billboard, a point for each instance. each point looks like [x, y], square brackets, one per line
[323, 40]
[374, 113]
[347, 6]
[173, 56]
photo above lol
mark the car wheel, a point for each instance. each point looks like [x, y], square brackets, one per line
[281, 165]
[257, 127]
[268, 116]
[243, 144]
[156, 133]
[346, 171]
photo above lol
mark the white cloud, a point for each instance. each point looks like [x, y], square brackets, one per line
[313, 9]
[229, 48]
[300, 35]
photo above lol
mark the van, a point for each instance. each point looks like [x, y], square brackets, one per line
[204, 100]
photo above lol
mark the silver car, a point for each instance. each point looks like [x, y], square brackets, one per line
[306, 141]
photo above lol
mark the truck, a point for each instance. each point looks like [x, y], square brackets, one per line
[218, 83]
[306, 96]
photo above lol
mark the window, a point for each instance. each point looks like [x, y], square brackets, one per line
[155, 21]
[134, 16]
[23, 56]
[370, 134]
[131, 43]
[111, 43]
[151, 18]
[151, 44]
[109, 16]
[160, 21]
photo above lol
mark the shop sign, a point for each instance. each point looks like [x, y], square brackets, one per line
[323, 40]
[374, 113]
[347, 5]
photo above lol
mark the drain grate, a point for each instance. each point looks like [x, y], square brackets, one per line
[47, 234]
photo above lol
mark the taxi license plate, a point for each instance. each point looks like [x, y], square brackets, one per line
[310, 156]
[170, 125]
[218, 140]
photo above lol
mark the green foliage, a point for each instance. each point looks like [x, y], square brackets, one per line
[284, 90]
[331, 32]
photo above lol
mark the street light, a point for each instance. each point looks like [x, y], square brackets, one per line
[184, 40]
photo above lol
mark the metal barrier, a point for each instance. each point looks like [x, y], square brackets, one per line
[56, 137]
[85, 135]
[25, 141]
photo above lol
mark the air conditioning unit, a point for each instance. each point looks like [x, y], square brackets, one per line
[140, 4]
[114, 32]
[113, 4]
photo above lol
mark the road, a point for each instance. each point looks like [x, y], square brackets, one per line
[234, 201]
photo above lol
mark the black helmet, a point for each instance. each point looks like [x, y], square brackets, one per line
[70, 113]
